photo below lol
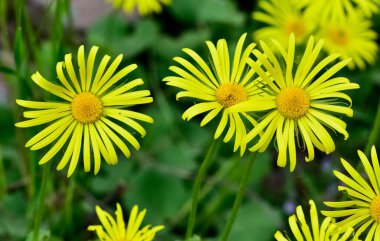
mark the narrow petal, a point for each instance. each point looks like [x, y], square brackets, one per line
[198, 109]
[52, 88]
[77, 150]
[58, 145]
[71, 72]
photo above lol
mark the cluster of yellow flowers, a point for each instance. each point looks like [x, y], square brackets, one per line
[345, 25]
[257, 96]
[288, 101]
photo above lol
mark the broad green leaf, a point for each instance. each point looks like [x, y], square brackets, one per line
[161, 194]
[256, 221]
[220, 11]
[170, 47]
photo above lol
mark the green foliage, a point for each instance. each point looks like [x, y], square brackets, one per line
[208, 11]
[261, 219]
[159, 193]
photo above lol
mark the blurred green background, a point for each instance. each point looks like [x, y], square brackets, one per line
[35, 34]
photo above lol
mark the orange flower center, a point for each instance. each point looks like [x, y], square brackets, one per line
[339, 36]
[293, 102]
[375, 209]
[297, 27]
[86, 107]
[230, 94]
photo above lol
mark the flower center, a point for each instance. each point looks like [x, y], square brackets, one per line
[293, 102]
[297, 27]
[339, 36]
[375, 208]
[230, 94]
[86, 107]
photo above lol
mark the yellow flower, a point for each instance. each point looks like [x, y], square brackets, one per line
[282, 18]
[300, 101]
[351, 37]
[318, 232]
[86, 112]
[218, 88]
[327, 10]
[144, 7]
[114, 230]
[362, 210]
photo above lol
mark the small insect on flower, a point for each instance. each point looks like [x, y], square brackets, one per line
[144, 7]
[88, 113]
[218, 87]
[325, 231]
[282, 19]
[114, 230]
[352, 37]
[362, 210]
[299, 101]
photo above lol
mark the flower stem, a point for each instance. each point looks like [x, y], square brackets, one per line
[375, 132]
[197, 184]
[222, 172]
[39, 207]
[239, 196]
[68, 206]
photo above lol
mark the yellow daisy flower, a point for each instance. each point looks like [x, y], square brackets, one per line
[351, 37]
[318, 232]
[362, 211]
[114, 230]
[218, 88]
[301, 100]
[282, 18]
[144, 7]
[327, 10]
[89, 112]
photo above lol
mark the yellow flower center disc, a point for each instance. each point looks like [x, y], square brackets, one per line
[293, 102]
[230, 94]
[338, 36]
[86, 107]
[375, 209]
[297, 27]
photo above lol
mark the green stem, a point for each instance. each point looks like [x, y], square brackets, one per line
[68, 208]
[39, 208]
[375, 132]
[239, 196]
[222, 172]
[197, 184]
[3, 178]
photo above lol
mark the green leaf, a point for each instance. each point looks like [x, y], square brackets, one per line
[19, 48]
[170, 47]
[46, 61]
[161, 194]
[7, 125]
[7, 70]
[256, 218]
[144, 36]
[185, 11]
[177, 155]
[110, 176]
[112, 33]
[220, 11]
[12, 218]
[43, 235]
[261, 169]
